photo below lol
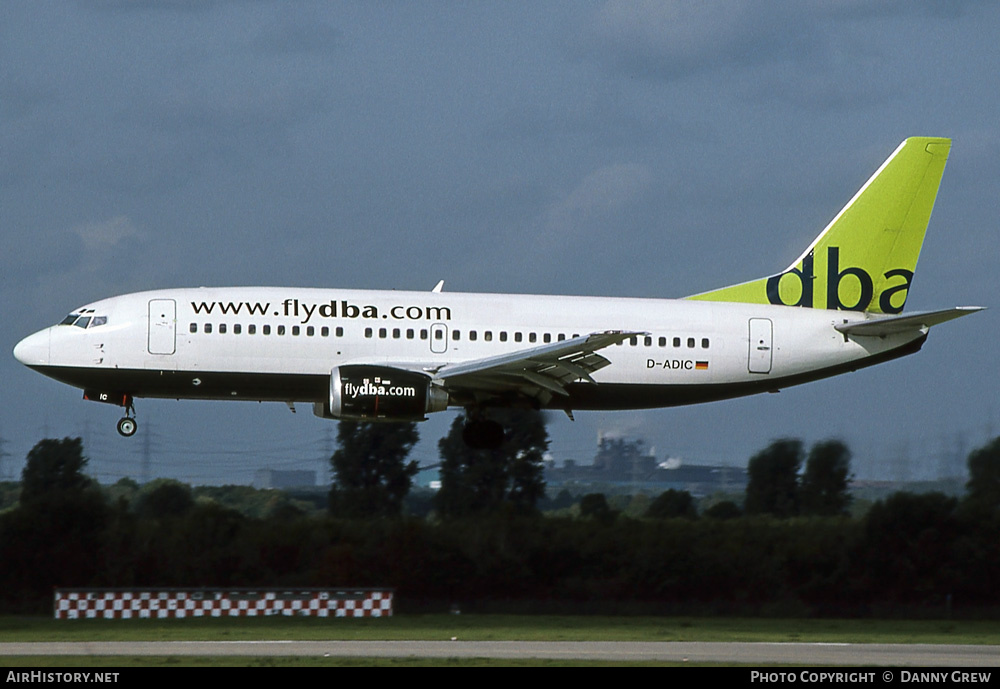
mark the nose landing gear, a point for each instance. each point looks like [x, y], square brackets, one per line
[127, 425]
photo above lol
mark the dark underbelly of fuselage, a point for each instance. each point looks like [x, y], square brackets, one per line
[302, 387]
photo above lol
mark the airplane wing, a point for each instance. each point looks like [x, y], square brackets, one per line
[893, 325]
[538, 372]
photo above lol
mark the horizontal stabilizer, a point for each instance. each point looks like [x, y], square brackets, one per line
[893, 325]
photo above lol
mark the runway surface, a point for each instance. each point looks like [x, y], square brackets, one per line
[806, 654]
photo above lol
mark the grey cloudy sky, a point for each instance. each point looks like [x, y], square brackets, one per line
[652, 149]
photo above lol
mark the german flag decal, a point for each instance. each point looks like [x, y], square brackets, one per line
[701, 365]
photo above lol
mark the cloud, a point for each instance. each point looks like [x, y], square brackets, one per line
[674, 39]
[293, 34]
[105, 235]
[669, 40]
[600, 196]
[87, 261]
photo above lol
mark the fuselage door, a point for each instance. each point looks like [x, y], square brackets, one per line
[760, 345]
[162, 326]
[439, 338]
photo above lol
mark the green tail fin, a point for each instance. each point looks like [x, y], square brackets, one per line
[865, 258]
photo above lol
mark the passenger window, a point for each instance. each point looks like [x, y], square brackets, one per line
[532, 337]
[310, 331]
[704, 343]
[281, 330]
[267, 330]
[222, 328]
[423, 333]
[488, 335]
[547, 337]
[691, 342]
[368, 332]
[456, 335]
[517, 337]
[252, 329]
[648, 341]
[208, 327]
[237, 329]
[339, 331]
[396, 333]
[473, 335]
[677, 342]
[193, 328]
[662, 342]
[409, 333]
[503, 335]
[295, 330]
[633, 340]
[561, 337]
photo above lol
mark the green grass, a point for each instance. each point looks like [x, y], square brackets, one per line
[507, 627]
[463, 627]
[120, 662]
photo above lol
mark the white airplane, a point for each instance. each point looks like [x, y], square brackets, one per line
[396, 356]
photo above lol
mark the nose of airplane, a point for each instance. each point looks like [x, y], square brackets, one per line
[34, 349]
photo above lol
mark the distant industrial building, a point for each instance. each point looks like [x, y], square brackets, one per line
[627, 463]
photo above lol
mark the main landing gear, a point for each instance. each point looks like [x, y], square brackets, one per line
[481, 433]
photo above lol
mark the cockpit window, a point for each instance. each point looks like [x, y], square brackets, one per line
[84, 320]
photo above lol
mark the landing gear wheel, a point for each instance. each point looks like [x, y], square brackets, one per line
[127, 426]
[483, 434]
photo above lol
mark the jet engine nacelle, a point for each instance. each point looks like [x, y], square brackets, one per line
[381, 393]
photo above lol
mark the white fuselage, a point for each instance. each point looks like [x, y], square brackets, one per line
[265, 343]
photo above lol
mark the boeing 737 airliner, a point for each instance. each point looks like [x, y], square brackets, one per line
[396, 356]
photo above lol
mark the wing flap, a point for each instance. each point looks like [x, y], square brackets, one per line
[537, 371]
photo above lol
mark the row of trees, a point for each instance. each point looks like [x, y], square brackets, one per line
[784, 480]
[778, 486]
[907, 550]
[373, 474]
